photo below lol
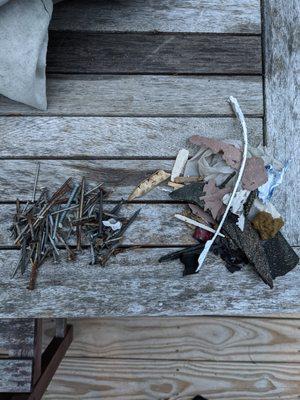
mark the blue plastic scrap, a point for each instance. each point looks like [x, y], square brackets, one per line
[275, 178]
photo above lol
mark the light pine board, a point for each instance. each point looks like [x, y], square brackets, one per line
[113, 136]
[169, 16]
[155, 225]
[187, 338]
[15, 376]
[80, 378]
[144, 53]
[282, 86]
[16, 337]
[138, 95]
[134, 284]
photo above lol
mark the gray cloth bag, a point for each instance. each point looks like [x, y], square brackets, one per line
[23, 47]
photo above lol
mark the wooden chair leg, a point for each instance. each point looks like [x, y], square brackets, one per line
[45, 364]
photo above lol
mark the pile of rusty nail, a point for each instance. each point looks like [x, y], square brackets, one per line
[73, 218]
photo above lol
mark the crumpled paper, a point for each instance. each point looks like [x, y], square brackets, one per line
[222, 158]
[209, 165]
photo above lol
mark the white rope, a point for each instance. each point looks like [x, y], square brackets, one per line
[239, 114]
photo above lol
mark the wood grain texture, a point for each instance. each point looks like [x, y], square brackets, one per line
[120, 177]
[155, 225]
[135, 284]
[144, 53]
[17, 337]
[79, 378]
[15, 375]
[118, 95]
[168, 16]
[282, 88]
[187, 338]
[112, 136]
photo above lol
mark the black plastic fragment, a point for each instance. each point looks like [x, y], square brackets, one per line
[190, 193]
[174, 255]
[190, 262]
[188, 256]
[232, 256]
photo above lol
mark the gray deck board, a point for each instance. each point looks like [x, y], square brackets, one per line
[144, 53]
[15, 376]
[135, 284]
[140, 95]
[17, 337]
[282, 89]
[109, 137]
[155, 226]
[137, 116]
[222, 16]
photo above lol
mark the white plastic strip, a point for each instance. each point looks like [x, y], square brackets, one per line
[196, 223]
[239, 114]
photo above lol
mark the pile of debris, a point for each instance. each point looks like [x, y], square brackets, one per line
[228, 186]
[73, 218]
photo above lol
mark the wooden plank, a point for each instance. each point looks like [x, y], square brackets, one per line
[186, 338]
[135, 284]
[138, 95]
[221, 16]
[123, 137]
[282, 84]
[15, 375]
[155, 225]
[120, 176]
[79, 378]
[146, 53]
[17, 337]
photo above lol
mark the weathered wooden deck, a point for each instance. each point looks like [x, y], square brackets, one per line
[122, 101]
[128, 83]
